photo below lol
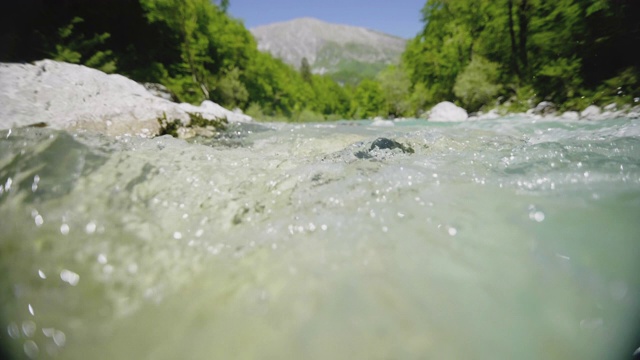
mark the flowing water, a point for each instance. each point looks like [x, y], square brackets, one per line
[500, 239]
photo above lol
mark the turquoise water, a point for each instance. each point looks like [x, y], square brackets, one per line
[507, 238]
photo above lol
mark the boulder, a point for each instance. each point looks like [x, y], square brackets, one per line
[447, 111]
[591, 112]
[160, 91]
[68, 96]
[570, 115]
[544, 108]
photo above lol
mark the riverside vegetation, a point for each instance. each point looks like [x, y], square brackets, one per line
[481, 54]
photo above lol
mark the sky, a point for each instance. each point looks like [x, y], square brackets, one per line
[400, 17]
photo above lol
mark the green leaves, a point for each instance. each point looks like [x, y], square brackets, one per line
[477, 84]
[73, 47]
[473, 50]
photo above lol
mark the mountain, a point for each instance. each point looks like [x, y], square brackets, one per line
[347, 53]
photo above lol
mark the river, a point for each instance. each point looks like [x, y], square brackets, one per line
[511, 238]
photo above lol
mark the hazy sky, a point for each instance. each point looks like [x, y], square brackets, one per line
[399, 17]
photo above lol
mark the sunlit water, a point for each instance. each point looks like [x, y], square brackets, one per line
[502, 239]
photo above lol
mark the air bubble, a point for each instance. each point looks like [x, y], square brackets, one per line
[13, 331]
[31, 349]
[69, 277]
[28, 328]
[64, 229]
[90, 228]
[538, 216]
[59, 338]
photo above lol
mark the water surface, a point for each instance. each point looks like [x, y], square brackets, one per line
[508, 238]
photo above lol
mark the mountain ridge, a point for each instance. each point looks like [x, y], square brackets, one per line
[330, 48]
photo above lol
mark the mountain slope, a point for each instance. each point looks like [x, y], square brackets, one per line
[347, 52]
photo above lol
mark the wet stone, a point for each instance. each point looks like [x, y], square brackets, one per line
[383, 144]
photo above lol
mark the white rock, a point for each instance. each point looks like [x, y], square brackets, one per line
[447, 111]
[492, 114]
[570, 115]
[68, 96]
[611, 107]
[382, 122]
[591, 112]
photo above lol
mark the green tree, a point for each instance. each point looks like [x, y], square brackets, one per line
[368, 100]
[395, 85]
[305, 70]
[477, 84]
[74, 48]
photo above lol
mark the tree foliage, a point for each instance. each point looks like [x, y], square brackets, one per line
[469, 51]
[561, 49]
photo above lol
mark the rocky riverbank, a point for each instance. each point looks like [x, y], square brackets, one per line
[67, 96]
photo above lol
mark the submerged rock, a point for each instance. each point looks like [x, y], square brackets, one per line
[383, 144]
[68, 96]
[447, 111]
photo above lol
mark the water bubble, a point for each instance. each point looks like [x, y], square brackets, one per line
[42, 274]
[618, 290]
[39, 220]
[385, 229]
[59, 338]
[452, 231]
[31, 349]
[31, 310]
[102, 259]
[28, 328]
[323, 227]
[177, 235]
[64, 229]
[34, 186]
[199, 232]
[538, 216]
[13, 330]
[90, 228]
[69, 277]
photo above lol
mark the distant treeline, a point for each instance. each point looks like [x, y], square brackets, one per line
[572, 52]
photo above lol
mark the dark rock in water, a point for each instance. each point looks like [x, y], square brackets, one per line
[383, 144]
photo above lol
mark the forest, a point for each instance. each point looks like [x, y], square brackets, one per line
[480, 54]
